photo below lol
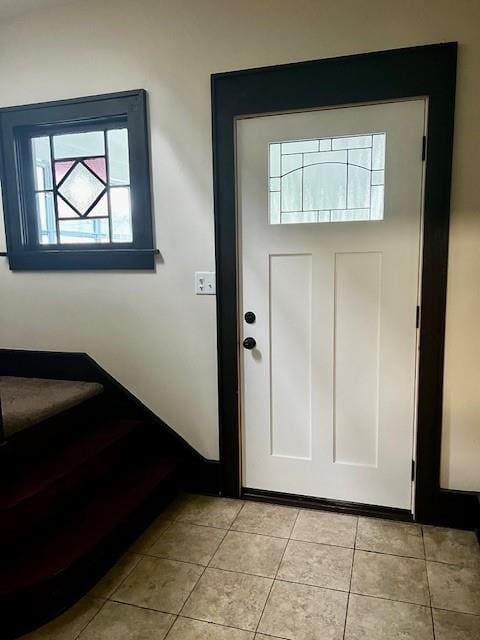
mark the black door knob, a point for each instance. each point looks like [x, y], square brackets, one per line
[250, 317]
[249, 343]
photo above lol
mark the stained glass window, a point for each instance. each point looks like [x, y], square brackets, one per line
[82, 187]
[337, 179]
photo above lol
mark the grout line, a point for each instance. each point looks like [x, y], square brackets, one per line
[257, 533]
[191, 591]
[237, 516]
[369, 595]
[218, 547]
[141, 606]
[275, 576]
[308, 584]
[196, 564]
[463, 613]
[187, 598]
[387, 553]
[201, 575]
[116, 587]
[171, 626]
[195, 523]
[293, 525]
[217, 624]
[324, 544]
[327, 544]
[412, 604]
[91, 619]
[351, 578]
[243, 573]
[391, 555]
[459, 565]
[428, 586]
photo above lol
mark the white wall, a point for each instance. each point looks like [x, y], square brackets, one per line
[150, 330]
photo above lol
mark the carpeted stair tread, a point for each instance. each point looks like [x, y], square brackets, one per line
[32, 479]
[28, 401]
[88, 526]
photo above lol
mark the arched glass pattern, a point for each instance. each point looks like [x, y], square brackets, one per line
[337, 179]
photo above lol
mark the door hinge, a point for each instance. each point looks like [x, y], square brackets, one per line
[413, 470]
[417, 317]
[424, 147]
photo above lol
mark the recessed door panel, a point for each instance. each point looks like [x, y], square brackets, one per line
[290, 370]
[357, 357]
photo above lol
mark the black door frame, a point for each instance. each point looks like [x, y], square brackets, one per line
[425, 71]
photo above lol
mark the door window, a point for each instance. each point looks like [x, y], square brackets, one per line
[337, 179]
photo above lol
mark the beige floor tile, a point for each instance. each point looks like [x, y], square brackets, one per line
[385, 536]
[206, 510]
[301, 612]
[377, 619]
[231, 599]
[452, 546]
[455, 626]
[144, 542]
[249, 553]
[118, 621]
[188, 542]
[392, 577]
[71, 623]
[117, 574]
[454, 587]
[320, 565]
[159, 584]
[266, 519]
[326, 528]
[187, 629]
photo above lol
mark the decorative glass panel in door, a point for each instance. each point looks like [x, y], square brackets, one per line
[337, 179]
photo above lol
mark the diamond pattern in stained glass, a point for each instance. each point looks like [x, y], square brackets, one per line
[81, 188]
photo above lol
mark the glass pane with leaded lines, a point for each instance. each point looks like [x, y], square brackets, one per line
[82, 187]
[337, 179]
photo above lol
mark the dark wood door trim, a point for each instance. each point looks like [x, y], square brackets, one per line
[425, 71]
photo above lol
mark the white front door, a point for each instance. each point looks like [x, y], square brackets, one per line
[329, 206]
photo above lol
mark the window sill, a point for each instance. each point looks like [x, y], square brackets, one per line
[83, 259]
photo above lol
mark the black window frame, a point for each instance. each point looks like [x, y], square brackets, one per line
[18, 125]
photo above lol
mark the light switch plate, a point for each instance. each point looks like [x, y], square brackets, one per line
[205, 283]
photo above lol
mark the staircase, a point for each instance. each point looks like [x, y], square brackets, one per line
[81, 476]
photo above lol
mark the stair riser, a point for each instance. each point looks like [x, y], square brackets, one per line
[37, 441]
[41, 511]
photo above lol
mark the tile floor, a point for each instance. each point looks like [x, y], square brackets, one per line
[220, 569]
